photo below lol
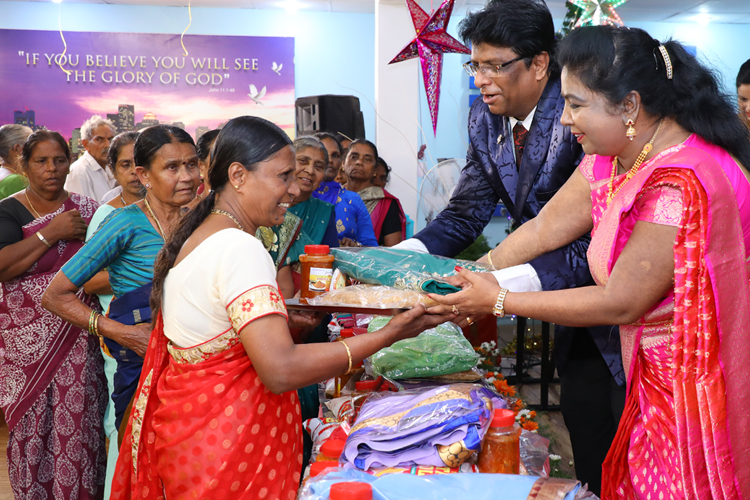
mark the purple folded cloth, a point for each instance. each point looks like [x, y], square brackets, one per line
[439, 426]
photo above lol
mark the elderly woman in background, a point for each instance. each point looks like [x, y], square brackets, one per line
[126, 245]
[52, 386]
[353, 222]
[218, 415]
[667, 200]
[743, 92]
[120, 161]
[382, 174]
[318, 218]
[388, 218]
[12, 138]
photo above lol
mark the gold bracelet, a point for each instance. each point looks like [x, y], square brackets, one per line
[489, 258]
[43, 239]
[93, 323]
[96, 325]
[499, 309]
[348, 353]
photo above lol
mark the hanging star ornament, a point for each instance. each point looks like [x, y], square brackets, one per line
[598, 12]
[429, 45]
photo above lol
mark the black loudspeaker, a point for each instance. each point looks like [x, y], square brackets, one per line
[330, 113]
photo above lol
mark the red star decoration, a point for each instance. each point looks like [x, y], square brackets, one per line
[429, 45]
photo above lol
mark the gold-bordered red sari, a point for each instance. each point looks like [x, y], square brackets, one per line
[203, 424]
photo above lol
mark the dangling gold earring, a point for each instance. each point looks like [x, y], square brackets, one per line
[630, 132]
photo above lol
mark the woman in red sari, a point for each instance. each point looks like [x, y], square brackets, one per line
[216, 413]
[667, 200]
[52, 387]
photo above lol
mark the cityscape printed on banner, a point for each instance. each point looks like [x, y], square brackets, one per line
[123, 120]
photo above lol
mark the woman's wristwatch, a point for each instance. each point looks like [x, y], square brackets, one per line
[499, 309]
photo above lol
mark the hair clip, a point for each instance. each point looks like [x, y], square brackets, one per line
[667, 61]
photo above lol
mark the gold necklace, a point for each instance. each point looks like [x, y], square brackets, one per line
[148, 207]
[26, 194]
[634, 169]
[222, 212]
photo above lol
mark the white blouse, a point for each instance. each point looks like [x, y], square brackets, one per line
[225, 283]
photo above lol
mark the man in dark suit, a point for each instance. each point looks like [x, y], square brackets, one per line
[522, 155]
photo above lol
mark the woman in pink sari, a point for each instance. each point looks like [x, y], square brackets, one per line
[663, 192]
[52, 387]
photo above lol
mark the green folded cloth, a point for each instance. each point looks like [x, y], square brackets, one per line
[401, 269]
[442, 350]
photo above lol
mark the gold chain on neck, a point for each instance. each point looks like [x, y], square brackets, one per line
[148, 207]
[634, 169]
[227, 214]
[26, 194]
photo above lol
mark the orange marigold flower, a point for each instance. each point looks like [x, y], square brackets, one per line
[530, 426]
[517, 406]
[532, 414]
[503, 388]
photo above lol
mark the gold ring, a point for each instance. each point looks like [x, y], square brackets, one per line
[455, 310]
[469, 321]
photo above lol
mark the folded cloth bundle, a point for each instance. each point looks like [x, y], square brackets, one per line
[438, 351]
[402, 269]
[440, 426]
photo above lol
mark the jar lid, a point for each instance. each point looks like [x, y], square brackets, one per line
[503, 418]
[366, 385]
[333, 448]
[351, 490]
[317, 249]
[317, 468]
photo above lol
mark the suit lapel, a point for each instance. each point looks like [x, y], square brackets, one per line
[502, 161]
[537, 145]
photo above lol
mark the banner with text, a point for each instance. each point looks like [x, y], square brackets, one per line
[137, 80]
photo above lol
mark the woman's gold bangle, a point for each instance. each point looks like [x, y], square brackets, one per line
[349, 354]
[489, 258]
[94, 323]
[43, 239]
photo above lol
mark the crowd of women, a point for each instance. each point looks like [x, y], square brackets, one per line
[174, 289]
[77, 277]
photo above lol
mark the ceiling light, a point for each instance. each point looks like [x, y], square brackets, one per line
[291, 6]
[57, 1]
[703, 19]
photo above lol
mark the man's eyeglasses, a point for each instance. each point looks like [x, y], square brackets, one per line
[488, 70]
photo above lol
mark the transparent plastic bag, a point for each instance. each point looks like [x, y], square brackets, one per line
[442, 350]
[448, 486]
[402, 269]
[372, 296]
[436, 426]
[534, 453]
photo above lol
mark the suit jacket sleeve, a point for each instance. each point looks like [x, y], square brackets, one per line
[468, 213]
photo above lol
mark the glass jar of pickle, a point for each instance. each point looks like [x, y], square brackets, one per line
[316, 271]
[501, 452]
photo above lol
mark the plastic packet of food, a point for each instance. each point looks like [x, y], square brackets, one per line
[323, 429]
[373, 296]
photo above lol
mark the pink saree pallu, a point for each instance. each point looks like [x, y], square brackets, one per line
[52, 387]
[685, 431]
[204, 426]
